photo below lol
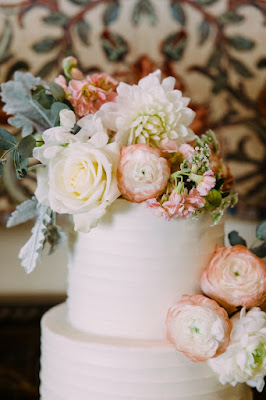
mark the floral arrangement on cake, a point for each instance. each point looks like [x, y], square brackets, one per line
[92, 141]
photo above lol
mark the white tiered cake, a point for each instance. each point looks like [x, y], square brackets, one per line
[109, 341]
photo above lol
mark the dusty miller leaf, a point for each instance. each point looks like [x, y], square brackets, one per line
[23, 213]
[31, 251]
[28, 114]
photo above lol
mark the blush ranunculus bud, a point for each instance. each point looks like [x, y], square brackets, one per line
[198, 327]
[142, 173]
[235, 277]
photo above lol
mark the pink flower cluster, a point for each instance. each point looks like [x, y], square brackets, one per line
[178, 205]
[89, 94]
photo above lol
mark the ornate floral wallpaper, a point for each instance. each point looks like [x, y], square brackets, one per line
[215, 49]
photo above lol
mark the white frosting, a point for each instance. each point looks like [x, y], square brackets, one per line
[79, 366]
[125, 274]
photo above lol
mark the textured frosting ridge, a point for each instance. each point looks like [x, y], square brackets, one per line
[76, 365]
[125, 274]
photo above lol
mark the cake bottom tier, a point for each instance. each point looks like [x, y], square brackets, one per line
[79, 366]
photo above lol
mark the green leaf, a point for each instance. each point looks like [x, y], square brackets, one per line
[26, 146]
[144, 8]
[260, 251]
[83, 31]
[21, 164]
[57, 91]
[261, 231]
[114, 46]
[55, 110]
[24, 212]
[56, 18]
[111, 12]
[7, 141]
[177, 12]
[42, 97]
[46, 45]
[31, 251]
[213, 200]
[55, 237]
[261, 63]
[230, 17]
[240, 43]
[219, 84]
[174, 46]
[1, 169]
[204, 30]
[235, 238]
[240, 68]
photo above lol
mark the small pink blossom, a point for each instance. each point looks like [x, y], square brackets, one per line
[178, 205]
[89, 94]
[70, 68]
[168, 145]
[198, 327]
[157, 209]
[142, 173]
[187, 151]
[207, 183]
[235, 277]
[196, 199]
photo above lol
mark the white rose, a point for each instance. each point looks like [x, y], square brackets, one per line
[80, 173]
[151, 112]
[245, 357]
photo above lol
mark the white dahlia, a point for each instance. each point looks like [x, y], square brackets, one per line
[151, 112]
[245, 358]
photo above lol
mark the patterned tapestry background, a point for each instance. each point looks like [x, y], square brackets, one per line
[215, 49]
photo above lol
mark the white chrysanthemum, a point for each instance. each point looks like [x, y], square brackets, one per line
[245, 358]
[79, 177]
[151, 112]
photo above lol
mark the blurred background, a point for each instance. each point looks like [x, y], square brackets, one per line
[216, 51]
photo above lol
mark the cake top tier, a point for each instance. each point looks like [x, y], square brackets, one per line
[126, 273]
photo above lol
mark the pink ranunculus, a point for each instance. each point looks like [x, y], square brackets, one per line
[198, 327]
[157, 209]
[235, 277]
[207, 183]
[142, 173]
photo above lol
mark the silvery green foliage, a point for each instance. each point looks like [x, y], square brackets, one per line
[27, 112]
[24, 212]
[30, 253]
